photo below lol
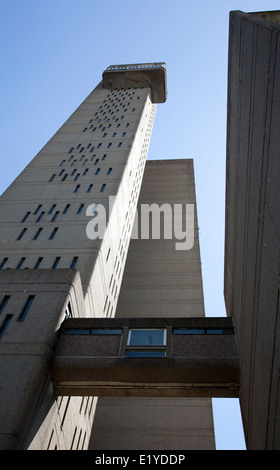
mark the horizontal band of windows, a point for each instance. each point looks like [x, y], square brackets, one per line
[90, 331]
[203, 331]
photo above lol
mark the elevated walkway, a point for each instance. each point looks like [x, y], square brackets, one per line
[147, 357]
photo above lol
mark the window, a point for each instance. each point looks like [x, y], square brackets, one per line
[109, 171]
[3, 263]
[38, 233]
[26, 308]
[4, 303]
[85, 172]
[5, 324]
[104, 156]
[89, 331]
[103, 188]
[21, 263]
[80, 210]
[120, 144]
[77, 176]
[40, 216]
[146, 343]
[143, 353]
[54, 233]
[90, 188]
[52, 208]
[37, 265]
[74, 262]
[52, 178]
[55, 216]
[37, 210]
[97, 171]
[22, 234]
[77, 188]
[145, 337]
[66, 208]
[55, 264]
[64, 177]
[26, 216]
[203, 331]
[96, 161]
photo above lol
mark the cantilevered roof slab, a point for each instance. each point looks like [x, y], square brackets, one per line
[151, 75]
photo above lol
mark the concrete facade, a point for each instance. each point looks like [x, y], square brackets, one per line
[53, 267]
[252, 218]
[98, 154]
[159, 282]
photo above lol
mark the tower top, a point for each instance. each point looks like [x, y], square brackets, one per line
[152, 75]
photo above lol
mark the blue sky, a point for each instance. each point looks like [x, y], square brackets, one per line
[53, 54]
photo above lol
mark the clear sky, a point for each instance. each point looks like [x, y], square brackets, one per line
[53, 54]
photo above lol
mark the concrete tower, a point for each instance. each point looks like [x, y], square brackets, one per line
[160, 282]
[66, 225]
[50, 268]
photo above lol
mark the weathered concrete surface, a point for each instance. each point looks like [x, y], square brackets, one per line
[141, 75]
[203, 362]
[252, 219]
[26, 354]
[159, 282]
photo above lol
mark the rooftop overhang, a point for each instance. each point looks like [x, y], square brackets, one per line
[151, 75]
